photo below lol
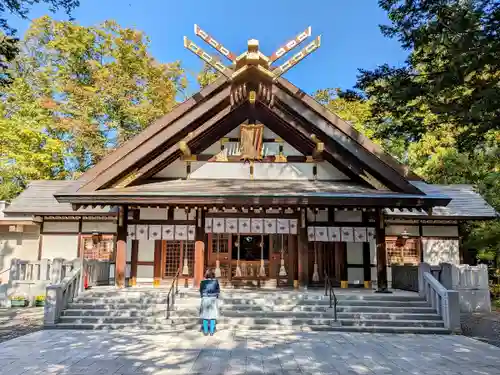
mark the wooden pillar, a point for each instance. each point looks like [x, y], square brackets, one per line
[134, 256]
[121, 247]
[367, 268]
[199, 247]
[303, 250]
[381, 253]
[341, 256]
[292, 260]
[157, 263]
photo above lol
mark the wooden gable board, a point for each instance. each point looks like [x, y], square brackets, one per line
[380, 170]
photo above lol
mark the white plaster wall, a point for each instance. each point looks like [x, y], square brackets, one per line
[355, 256]
[145, 273]
[23, 245]
[396, 230]
[283, 171]
[98, 226]
[180, 214]
[60, 226]
[355, 253]
[153, 214]
[440, 231]
[129, 250]
[355, 276]
[146, 251]
[439, 250]
[349, 216]
[214, 170]
[176, 169]
[60, 246]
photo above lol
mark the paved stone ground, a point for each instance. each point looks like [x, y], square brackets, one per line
[127, 353]
[19, 322]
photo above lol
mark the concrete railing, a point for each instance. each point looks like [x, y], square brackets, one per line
[445, 301]
[59, 295]
[471, 282]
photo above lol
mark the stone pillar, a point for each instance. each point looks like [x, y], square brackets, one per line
[367, 267]
[381, 253]
[199, 248]
[121, 247]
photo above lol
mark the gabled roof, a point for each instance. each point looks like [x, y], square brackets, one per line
[465, 202]
[197, 120]
[38, 199]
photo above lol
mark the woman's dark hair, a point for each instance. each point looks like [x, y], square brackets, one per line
[210, 274]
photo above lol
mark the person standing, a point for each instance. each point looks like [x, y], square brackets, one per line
[209, 307]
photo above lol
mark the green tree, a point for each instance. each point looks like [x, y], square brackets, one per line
[442, 106]
[97, 87]
[8, 40]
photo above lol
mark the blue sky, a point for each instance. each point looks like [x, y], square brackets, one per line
[350, 35]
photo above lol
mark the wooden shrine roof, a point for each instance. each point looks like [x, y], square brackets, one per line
[254, 192]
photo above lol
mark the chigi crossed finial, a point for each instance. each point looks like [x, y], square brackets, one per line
[253, 58]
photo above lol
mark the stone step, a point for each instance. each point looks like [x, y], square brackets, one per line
[194, 307]
[254, 314]
[159, 328]
[249, 321]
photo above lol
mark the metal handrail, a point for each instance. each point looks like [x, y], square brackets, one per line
[174, 289]
[333, 298]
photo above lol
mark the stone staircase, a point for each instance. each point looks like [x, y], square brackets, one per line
[243, 309]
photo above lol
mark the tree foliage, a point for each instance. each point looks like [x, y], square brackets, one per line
[90, 89]
[441, 110]
[8, 40]
[452, 73]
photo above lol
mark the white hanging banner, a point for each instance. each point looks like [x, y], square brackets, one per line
[191, 230]
[208, 224]
[218, 225]
[311, 234]
[257, 225]
[321, 234]
[293, 226]
[181, 232]
[231, 225]
[131, 232]
[283, 226]
[334, 234]
[141, 233]
[270, 226]
[359, 234]
[167, 232]
[155, 232]
[244, 225]
[370, 234]
[347, 234]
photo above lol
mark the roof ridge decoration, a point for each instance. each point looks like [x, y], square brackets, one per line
[252, 73]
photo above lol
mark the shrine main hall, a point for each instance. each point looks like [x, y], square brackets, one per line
[255, 179]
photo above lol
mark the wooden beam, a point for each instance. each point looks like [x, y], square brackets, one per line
[331, 134]
[153, 129]
[303, 143]
[166, 137]
[346, 128]
[199, 135]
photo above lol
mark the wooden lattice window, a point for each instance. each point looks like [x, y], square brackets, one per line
[172, 258]
[97, 248]
[403, 251]
[223, 242]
